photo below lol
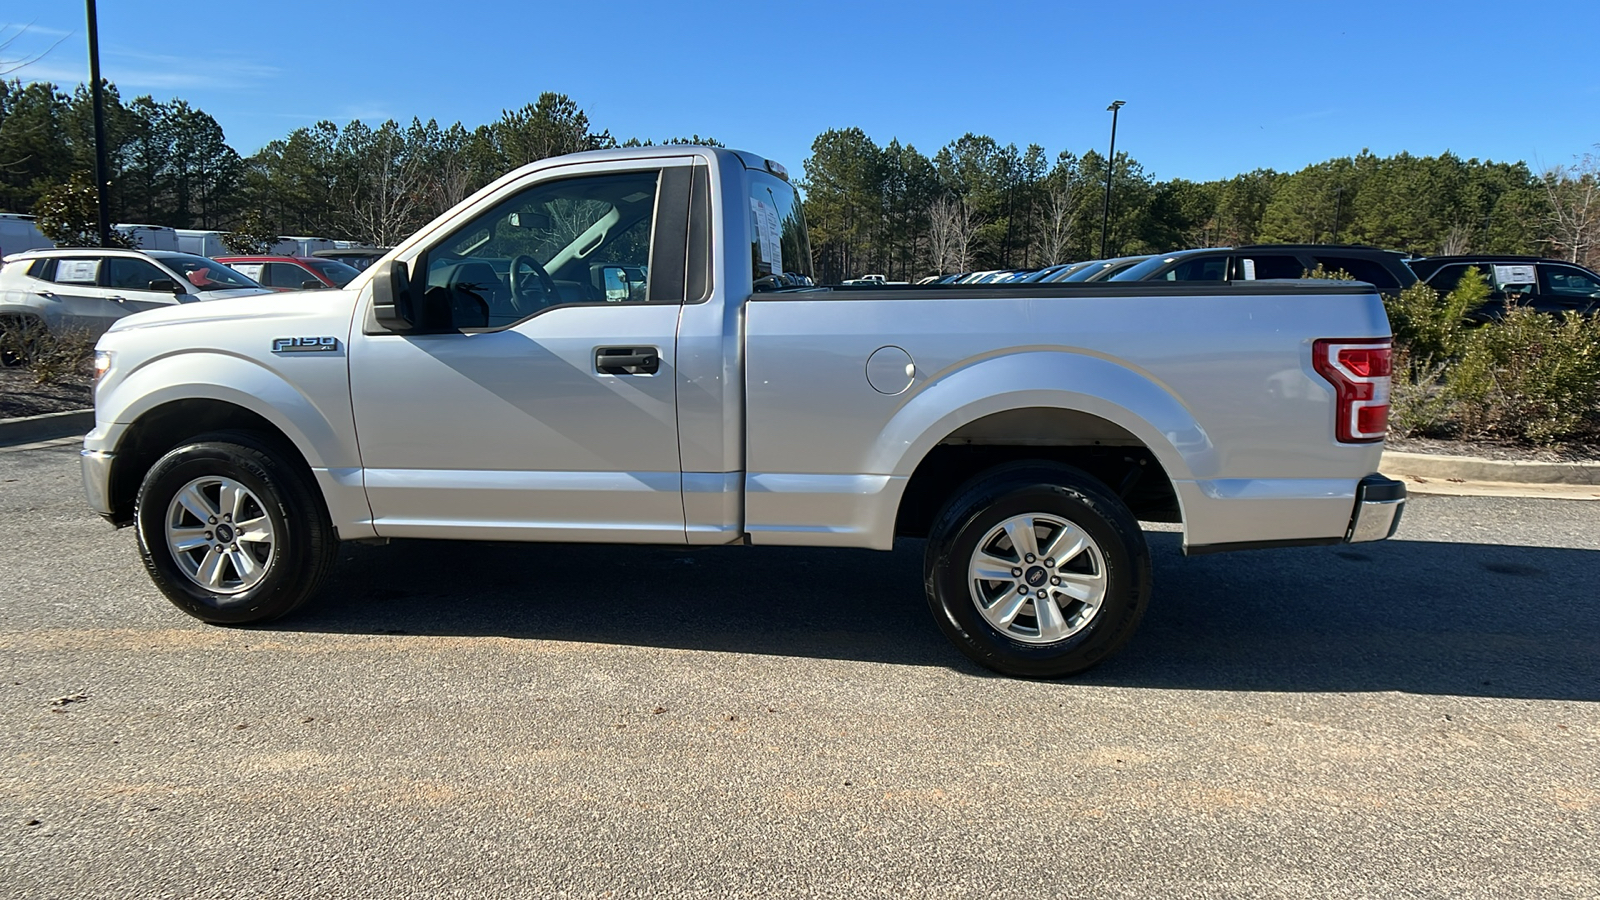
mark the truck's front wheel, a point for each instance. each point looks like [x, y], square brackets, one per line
[1037, 570]
[231, 532]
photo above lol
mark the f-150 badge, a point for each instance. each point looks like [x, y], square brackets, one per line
[305, 345]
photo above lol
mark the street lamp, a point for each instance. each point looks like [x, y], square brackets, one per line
[100, 167]
[1111, 164]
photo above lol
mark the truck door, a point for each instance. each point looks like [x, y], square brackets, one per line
[540, 404]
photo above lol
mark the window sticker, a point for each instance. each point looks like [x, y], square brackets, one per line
[768, 242]
[77, 271]
[251, 271]
[1249, 269]
[1504, 275]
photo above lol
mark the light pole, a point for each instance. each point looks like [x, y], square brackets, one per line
[1111, 165]
[99, 126]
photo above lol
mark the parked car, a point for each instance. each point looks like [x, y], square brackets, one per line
[293, 273]
[150, 237]
[87, 289]
[1102, 269]
[499, 377]
[357, 258]
[291, 245]
[1545, 285]
[1385, 270]
[1065, 272]
[201, 242]
[19, 233]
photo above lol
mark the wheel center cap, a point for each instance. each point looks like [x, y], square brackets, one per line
[1035, 576]
[225, 534]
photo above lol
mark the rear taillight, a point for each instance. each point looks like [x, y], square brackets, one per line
[1359, 372]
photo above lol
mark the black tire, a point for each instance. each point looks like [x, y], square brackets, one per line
[1047, 489]
[304, 544]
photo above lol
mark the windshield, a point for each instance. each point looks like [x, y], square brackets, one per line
[1087, 271]
[205, 274]
[1144, 270]
[333, 270]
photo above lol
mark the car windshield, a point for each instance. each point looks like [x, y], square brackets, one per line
[1145, 269]
[333, 270]
[1088, 270]
[205, 274]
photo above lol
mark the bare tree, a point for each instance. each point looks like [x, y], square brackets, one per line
[1457, 241]
[10, 60]
[942, 216]
[1060, 222]
[1574, 195]
[387, 182]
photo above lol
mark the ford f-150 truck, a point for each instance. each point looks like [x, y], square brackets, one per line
[623, 346]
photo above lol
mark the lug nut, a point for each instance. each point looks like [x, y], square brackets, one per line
[208, 535]
[1055, 580]
[1015, 573]
[1043, 595]
[1028, 558]
[227, 517]
[213, 520]
[1022, 589]
[1050, 563]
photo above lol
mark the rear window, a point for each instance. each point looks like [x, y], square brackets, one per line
[780, 253]
[1366, 270]
[1268, 265]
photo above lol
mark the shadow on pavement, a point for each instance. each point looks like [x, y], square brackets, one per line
[1429, 618]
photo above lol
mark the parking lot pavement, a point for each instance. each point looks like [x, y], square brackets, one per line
[1419, 718]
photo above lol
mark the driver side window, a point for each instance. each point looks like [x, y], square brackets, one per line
[577, 240]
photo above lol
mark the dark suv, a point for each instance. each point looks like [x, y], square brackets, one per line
[1384, 269]
[1545, 285]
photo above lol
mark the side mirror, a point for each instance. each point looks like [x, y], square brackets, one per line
[311, 284]
[618, 290]
[392, 302]
[166, 284]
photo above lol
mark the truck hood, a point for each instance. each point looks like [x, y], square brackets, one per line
[239, 306]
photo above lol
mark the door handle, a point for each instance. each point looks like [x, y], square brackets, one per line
[627, 360]
[48, 295]
[120, 299]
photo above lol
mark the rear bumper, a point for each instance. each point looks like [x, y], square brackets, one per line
[1380, 502]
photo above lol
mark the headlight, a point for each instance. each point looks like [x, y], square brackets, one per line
[102, 363]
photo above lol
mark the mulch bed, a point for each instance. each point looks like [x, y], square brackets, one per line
[21, 396]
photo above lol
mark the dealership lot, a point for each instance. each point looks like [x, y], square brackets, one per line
[1414, 718]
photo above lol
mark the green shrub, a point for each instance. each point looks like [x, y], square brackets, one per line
[1433, 329]
[1531, 377]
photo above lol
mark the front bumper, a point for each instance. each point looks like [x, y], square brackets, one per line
[1380, 502]
[96, 467]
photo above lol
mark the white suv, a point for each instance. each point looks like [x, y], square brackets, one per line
[87, 288]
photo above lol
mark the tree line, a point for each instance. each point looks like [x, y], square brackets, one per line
[973, 204]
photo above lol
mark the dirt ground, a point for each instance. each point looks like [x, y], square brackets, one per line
[21, 396]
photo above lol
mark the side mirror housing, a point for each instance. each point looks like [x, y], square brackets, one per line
[311, 284]
[393, 303]
[166, 284]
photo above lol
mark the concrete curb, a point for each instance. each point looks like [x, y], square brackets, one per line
[27, 429]
[1429, 466]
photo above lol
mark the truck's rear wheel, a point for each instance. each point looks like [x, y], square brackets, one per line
[1036, 570]
[231, 532]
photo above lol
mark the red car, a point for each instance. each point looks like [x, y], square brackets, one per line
[291, 273]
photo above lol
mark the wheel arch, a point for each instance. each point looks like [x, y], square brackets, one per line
[167, 425]
[1085, 411]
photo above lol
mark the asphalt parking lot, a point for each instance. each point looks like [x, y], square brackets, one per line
[1419, 718]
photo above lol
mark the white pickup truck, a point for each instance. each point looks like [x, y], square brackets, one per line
[609, 347]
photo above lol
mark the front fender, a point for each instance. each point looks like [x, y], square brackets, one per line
[1045, 378]
[313, 412]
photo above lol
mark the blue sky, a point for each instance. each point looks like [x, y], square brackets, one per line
[1213, 89]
